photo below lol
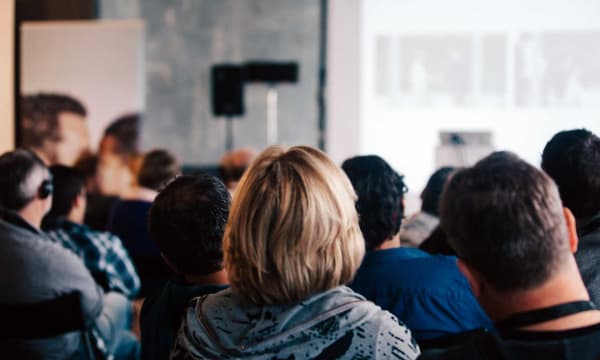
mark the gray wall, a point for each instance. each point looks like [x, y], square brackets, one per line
[185, 37]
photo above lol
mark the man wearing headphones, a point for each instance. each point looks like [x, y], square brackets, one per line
[33, 269]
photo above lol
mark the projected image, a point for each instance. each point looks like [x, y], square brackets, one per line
[436, 70]
[558, 70]
[522, 70]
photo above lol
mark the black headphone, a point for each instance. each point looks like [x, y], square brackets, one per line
[46, 189]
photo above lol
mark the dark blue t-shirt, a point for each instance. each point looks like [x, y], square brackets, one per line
[162, 313]
[129, 221]
[426, 292]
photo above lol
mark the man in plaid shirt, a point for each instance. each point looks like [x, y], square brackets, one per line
[102, 252]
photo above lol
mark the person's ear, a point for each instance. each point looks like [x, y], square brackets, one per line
[571, 229]
[472, 276]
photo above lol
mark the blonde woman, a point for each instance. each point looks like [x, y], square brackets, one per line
[291, 243]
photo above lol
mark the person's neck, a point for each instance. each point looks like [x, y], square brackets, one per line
[563, 287]
[75, 217]
[32, 215]
[216, 278]
[390, 243]
[137, 192]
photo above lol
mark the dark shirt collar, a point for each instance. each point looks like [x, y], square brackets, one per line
[61, 223]
[398, 253]
[589, 226]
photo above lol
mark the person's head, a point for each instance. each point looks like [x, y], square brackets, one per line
[233, 164]
[293, 228]
[69, 194]
[26, 185]
[88, 167]
[505, 220]
[122, 137]
[187, 221]
[54, 127]
[380, 192]
[432, 193]
[571, 159]
[157, 169]
[119, 156]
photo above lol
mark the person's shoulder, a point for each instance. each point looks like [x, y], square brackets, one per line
[390, 336]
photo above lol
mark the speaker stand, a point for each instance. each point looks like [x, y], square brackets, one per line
[272, 120]
[229, 133]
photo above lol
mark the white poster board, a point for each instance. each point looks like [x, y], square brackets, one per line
[100, 63]
[7, 23]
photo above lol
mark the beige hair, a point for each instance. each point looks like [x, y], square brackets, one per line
[293, 228]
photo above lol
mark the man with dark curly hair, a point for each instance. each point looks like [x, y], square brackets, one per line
[426, 292]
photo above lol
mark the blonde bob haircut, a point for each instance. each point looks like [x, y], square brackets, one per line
[293, 228]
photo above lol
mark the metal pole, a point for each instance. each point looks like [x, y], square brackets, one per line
[272, 115]
[229, 133]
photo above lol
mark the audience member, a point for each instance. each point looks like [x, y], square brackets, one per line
[118, 155]
[53, 126]
[572, 159]
[187, 221]
[515, 242]
[420, 225]
[98, 205]
[437, 243]
[129, 218]
[102, 252]
[291, 242]
[34, 269]
[233, 165]
[159, 167]
[426, 292]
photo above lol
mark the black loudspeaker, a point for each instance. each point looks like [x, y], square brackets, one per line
[271, 72]
[227, 90]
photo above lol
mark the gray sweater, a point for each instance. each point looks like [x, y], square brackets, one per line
[34, 269]
[336, 324]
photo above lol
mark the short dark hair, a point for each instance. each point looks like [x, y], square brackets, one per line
[18, 188]
[39, 117]
[126, 132]
[572, 159]
[157, 169]
[380, 192]
[68, 184]
[432, 193]
[504, 217]
[187, 220]
[87, 165]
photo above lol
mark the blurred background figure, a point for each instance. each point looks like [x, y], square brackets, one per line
[420, 225]
[232, 166]
[53, 126]
[129, 217]
[98, 207]
[119, 155]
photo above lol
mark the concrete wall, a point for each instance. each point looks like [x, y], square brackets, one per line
[183, 40]
[7, 18]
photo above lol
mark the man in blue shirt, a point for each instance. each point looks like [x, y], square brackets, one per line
[426, 292]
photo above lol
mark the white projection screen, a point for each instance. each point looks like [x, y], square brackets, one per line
[101, 63]
[521, 70]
